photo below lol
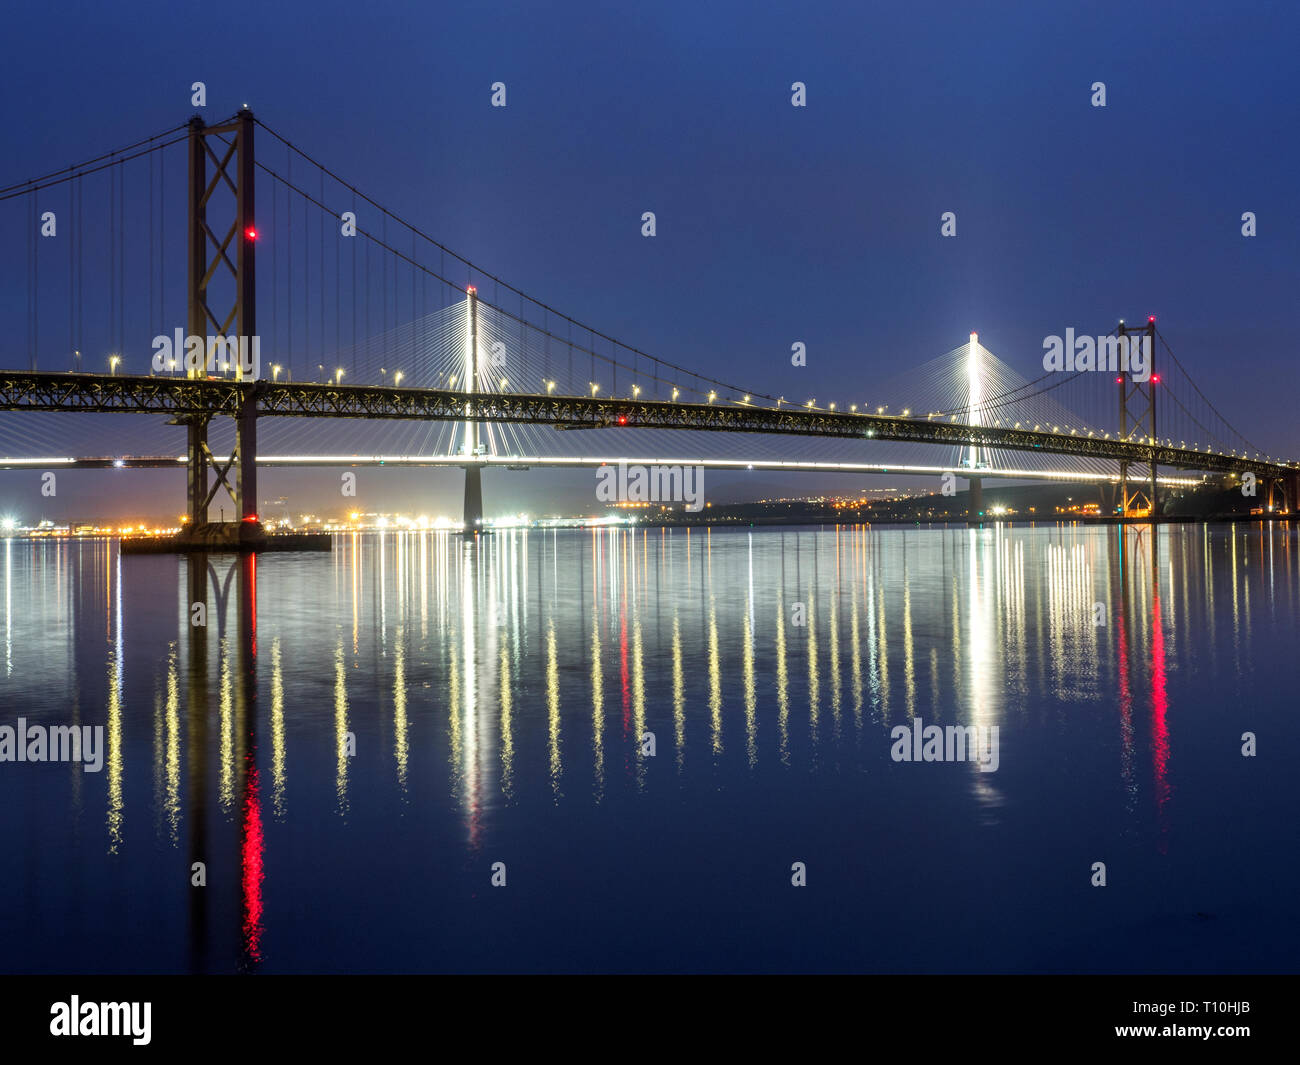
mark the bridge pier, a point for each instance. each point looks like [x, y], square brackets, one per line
[196, 467]
[473, 512]
[975, 496]
[1281, 497]
[246, 449]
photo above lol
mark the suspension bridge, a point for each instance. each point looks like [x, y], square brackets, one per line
[378, 345]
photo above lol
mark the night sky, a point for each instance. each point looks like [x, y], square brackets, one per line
[775, 223]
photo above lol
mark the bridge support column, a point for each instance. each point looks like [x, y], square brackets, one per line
[472, 515]
[246, 318]
[473, 512]
[975, 493]
[1280, 498]
[246, 469]
[1155, 490]
[197, 472]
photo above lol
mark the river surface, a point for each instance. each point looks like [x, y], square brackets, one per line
[678, 745]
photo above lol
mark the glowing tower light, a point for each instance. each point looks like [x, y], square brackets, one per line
[471, 369]
[973, 380]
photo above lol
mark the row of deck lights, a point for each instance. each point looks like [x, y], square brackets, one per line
[116, 360]
[907, 413]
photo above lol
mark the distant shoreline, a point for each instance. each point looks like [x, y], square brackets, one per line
[771, 523]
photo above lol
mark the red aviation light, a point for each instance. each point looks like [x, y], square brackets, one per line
[250, 234]
[622, 419]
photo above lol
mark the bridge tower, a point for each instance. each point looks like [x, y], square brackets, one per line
[1137, 422]
[472, 515]
[975, 485]
[229, 147]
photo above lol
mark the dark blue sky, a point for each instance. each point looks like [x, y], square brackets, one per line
[775, 224]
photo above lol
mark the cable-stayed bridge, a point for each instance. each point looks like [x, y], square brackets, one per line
[366, 341]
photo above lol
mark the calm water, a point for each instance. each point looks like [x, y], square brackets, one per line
[496, 694]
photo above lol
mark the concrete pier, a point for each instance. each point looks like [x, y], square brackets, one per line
[225, 536]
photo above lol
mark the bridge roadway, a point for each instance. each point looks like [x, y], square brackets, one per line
[181, 397]
[521, 462]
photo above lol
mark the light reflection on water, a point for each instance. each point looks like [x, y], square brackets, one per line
[357, 737]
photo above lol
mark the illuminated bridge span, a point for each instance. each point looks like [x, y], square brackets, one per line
[180, 398]
[376, 355]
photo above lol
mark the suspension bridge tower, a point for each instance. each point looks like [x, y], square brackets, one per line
[473, 510]
[1137, 419]
[229, 147]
